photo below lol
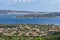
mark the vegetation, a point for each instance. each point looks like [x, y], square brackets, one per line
[53, 37]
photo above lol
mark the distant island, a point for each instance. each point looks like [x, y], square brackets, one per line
[37, 16]
[31, 14]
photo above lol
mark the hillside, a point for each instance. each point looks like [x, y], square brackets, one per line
[29, 29]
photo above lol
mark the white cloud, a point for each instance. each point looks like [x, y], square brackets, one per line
[16, 1]
[25, 0]
[54, 1]
[57, 0]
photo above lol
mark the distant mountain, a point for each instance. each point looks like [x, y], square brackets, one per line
[16, 12]
[31, 14]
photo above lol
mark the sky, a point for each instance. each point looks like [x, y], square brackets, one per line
[31, 5]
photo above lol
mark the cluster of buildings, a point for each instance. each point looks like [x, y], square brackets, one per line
[29, 30]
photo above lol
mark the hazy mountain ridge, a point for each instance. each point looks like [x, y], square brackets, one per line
[31, 14]
[13, 12]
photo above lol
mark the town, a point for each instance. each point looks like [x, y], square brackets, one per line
[28, 29]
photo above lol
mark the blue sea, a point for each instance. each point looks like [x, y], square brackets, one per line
[11, 19]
